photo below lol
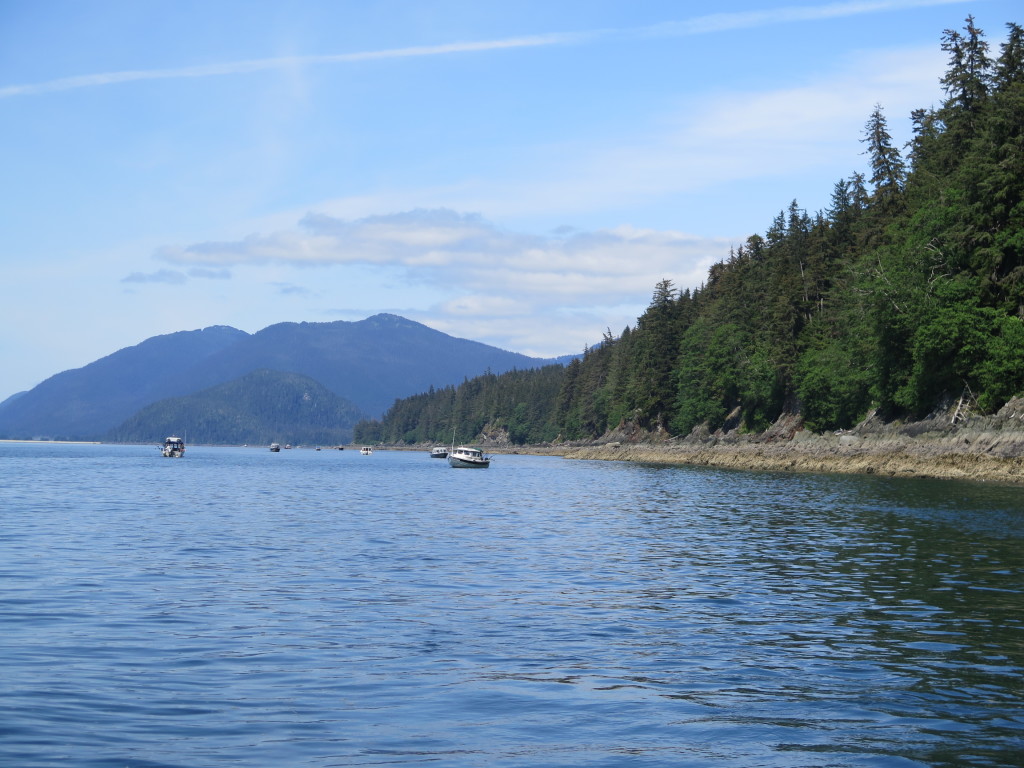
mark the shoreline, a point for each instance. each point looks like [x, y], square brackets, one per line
[791, 458]
[947, 445]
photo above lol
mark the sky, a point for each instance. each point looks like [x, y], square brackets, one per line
[516, 173]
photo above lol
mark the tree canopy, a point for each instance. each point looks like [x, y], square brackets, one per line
[905, 294]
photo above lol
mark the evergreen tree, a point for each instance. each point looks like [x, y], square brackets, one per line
[888, 171]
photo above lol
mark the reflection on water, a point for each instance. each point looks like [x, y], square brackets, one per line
[321, 608]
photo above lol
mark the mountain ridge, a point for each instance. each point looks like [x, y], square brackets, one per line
[370, 362]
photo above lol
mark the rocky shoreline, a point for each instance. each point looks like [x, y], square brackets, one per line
[947, 445]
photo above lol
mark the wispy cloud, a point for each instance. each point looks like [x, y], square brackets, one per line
[726, 22]
[210, 274]
[283, 62]
[165, 276]
[470, 256]
[708, 24]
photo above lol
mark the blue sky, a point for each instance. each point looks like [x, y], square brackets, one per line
[518, 173]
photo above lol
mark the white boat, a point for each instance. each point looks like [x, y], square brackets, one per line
[275, 448]
[366, 450]
[173, 447]
[439, 452]
[465, 458]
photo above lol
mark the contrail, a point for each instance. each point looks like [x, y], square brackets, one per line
[257, 65]
[716, 22]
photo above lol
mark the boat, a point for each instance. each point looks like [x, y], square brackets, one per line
[275, 448]
[439, 452]
[366, 450]
[173, 447]
[465, 458]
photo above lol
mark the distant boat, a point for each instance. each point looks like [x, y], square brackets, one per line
[439, 452]
[173, 447]
[466, 458]
[366, 450]
[275, 448]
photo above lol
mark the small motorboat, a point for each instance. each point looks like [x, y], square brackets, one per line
[439, 452]
[366, 450]
[173, 447]
[275, 448]
[465, 458]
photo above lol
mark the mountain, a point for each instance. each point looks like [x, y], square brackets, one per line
[369, 362]
[86, 402]
[260, 407]
[12, 398]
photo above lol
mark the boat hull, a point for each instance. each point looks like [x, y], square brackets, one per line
[460, 463]
[467, 458]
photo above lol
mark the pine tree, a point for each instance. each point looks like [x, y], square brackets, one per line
[888, 171]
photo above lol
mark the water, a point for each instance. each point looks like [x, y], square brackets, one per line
[243, 608]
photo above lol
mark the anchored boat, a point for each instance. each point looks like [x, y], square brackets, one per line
[173, 447]
[466, 458]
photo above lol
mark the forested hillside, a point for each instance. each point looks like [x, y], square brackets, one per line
[906, 294]
[520, 403]
[259, 408]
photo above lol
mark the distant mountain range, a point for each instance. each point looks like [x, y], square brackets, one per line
[366, 364]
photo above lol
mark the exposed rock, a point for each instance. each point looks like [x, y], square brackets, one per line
[948, 444]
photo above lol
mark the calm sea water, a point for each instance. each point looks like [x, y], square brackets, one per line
[243, 608]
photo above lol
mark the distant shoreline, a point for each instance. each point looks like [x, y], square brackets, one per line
[974, 448]
[53, 442]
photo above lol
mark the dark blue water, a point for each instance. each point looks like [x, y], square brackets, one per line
[243, 608]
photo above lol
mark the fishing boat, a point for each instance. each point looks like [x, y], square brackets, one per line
[275, 448]
[366, 450]
[439, 452]
[466, 458]
[173, 447]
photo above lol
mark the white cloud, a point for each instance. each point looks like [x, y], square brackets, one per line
[466, 253]
[812, 128]
[544, 295]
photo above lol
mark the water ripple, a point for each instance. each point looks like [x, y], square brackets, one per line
[243, 608]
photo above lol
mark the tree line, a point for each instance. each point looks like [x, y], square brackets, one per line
[905, 294]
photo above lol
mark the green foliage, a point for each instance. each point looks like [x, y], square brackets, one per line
[898, 297]
[519, 402]
[832, 387]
